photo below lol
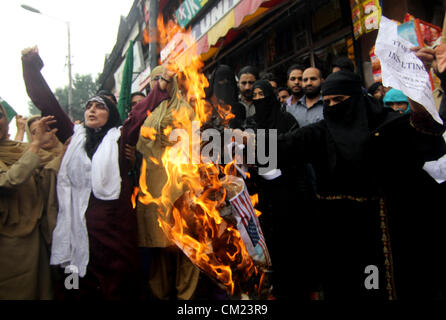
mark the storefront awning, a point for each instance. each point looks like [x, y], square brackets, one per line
[226, 16]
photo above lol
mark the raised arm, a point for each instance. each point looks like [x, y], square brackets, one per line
[20, 171]
[132, 125]
[420, 117]
[41, 95]
[20, 124]
[439, 66]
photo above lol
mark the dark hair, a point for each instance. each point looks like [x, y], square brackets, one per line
[269, 76]
[284, 89]
[319, 71]
[344, 63]
[32, 120]
[294, 67]
[108, 95]
[137, 93]
[249, 69]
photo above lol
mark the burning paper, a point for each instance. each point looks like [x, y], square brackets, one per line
[204, 209]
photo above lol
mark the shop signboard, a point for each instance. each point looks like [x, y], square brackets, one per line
[188, 10]
[213, 15]
[211, 18]
[171, 46]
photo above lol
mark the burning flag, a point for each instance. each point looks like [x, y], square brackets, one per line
[202, 206]
[248, 224]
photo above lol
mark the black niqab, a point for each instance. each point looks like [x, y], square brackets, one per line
[95, 136]
[222, 83]
[267, 109]
[350, 121]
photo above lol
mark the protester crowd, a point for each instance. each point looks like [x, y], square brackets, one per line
[350, 212]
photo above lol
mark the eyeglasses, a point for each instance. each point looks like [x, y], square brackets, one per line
[168, 81]
[95, 104]
[156, 78]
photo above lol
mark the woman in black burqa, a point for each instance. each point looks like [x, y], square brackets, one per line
[376, 205]
[276, 189]
[268, 112]
[222, 91]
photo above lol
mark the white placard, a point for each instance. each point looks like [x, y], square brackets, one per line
[401, 69]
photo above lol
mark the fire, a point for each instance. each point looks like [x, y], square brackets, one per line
[134, 195]
[194, 222]
[255, 200]
[166, 32]
[148, 133]
[146, 37]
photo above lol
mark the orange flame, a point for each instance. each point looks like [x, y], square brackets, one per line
[148, 133]
[146, 37]
[166, 33]
[255, 201]
[154, 160]
[134, 195]
[193, 222]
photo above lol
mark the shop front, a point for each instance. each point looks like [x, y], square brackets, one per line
[311, 33]
[271, 35]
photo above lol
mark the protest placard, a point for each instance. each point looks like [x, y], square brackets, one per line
[401, 69]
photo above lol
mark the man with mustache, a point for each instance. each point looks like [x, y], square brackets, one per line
[247, 76]
[308, 108]
[294, 83]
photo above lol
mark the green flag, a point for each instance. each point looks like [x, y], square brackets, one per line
[10, 112]
[126, 84]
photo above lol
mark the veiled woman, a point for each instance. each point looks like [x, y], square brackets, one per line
[374, 218]
[222, 95]
[275, 189]
[54, 146]
[27, 176]
[172, 275]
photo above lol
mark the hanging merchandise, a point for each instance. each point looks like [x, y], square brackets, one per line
[427, 32]
[421, 34]
[365, 16]
[376, 66]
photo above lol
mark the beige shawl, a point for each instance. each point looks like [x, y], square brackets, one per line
[162, 117]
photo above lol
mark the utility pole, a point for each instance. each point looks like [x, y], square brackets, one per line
[153, 33]
[70, 78]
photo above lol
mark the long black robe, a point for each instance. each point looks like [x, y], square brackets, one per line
[378, 211]
[274, 198]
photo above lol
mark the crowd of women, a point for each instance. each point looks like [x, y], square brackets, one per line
[65, 197]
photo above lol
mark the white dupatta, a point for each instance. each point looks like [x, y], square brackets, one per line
[78, 177]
